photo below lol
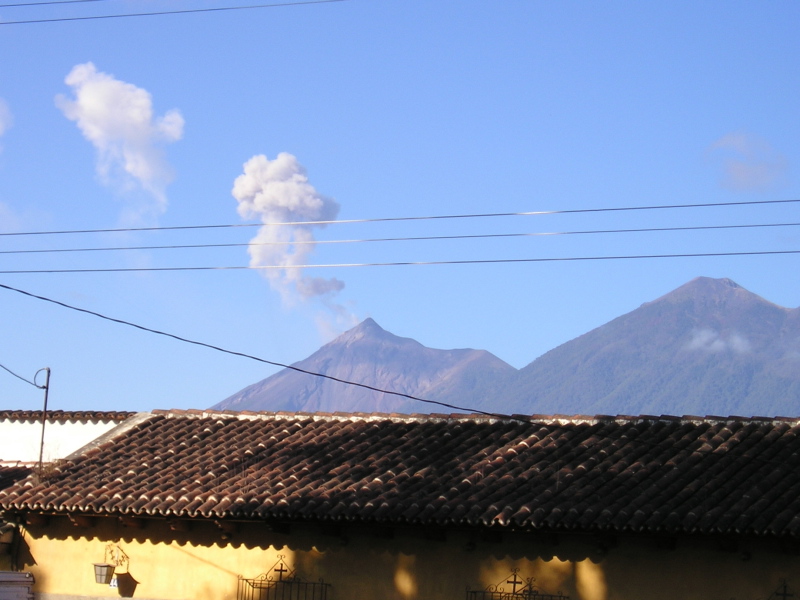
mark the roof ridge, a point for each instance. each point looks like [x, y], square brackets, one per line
[61, 416]
[322, 416]
[561, 419]
[129, 423]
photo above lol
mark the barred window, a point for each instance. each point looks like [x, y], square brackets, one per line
[281, 582]
[514, 588]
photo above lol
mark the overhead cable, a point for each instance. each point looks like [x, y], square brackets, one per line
[250, 356]
[20, 377]
[399, 264]
[398, 219]
[536, 213]
[401, 239]
[48, 3]
[168, 12]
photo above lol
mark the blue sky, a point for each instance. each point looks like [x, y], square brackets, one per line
[366, 110]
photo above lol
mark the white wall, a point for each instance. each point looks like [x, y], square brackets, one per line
[20, 440]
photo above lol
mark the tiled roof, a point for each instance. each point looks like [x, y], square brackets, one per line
[640, 474]
[11, 473]
[64, 416]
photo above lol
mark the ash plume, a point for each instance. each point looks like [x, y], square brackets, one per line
[278, 191]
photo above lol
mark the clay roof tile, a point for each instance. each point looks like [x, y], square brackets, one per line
[596, 473]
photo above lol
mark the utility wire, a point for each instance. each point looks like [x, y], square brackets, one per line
[399, 264]
[50, 2]
[168, 12]
[422, 218]
[402, 239]
[20, 377]
[540, 212]
[250, 356]
[128, 229]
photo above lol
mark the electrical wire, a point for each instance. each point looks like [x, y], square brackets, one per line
[399, 264]
[397, 219]
[20, 377]
[542, 212]
[402, 239]
[48, 3]
[168, 12]
[250, 356]
[128, 229]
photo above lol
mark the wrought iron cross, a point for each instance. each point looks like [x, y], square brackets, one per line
[784, 593]
[280, 570]
[514, 581]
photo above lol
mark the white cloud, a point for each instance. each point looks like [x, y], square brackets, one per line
[117, 118]
[5, 118]
[739, 344]
[748, 163]
[278, 191]
[708, 340]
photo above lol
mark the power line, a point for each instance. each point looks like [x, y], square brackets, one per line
[50, 2]
[402, 239]
[419, 218]
[168, 12]
[129, 229]
[541, 212]
[401, 264]
[250, 356]
[20, 377]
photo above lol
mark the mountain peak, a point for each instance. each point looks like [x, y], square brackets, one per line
[369, 324]
[707, 289]
[713, 284]
[368, 328]
[709, 285]
[378, 360]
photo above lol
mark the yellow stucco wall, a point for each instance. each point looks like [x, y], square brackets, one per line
[362, 564]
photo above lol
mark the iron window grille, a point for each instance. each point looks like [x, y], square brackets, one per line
[281, 582]
[514, 588]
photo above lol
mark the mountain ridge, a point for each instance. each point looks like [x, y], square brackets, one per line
[373, 357]
[682, 353]
[708, 347]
